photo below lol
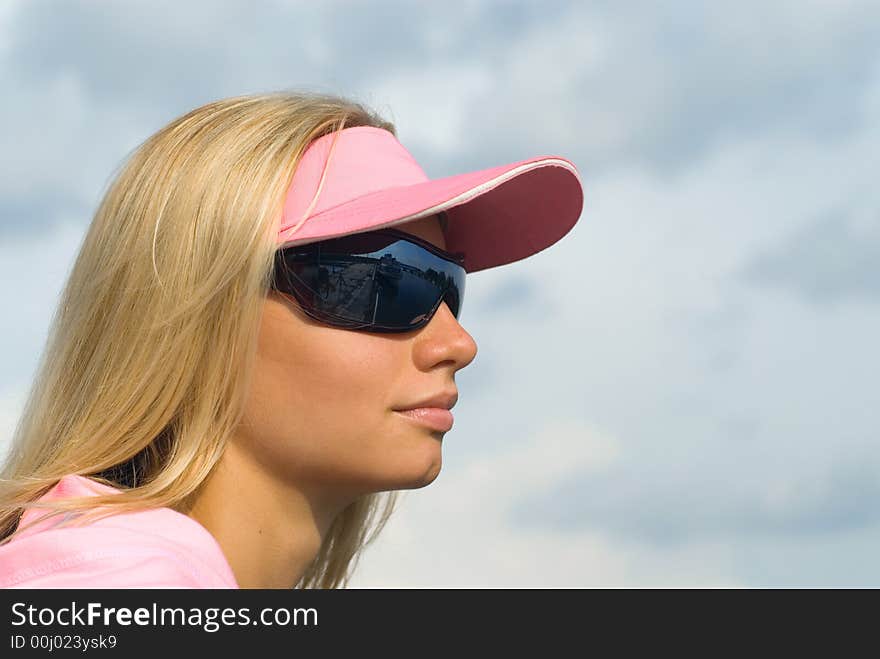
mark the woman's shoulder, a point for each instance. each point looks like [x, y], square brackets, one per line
[157, 548]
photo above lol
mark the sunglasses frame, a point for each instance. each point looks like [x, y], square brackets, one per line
[456, 258]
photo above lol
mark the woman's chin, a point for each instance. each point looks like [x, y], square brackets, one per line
[416, 469]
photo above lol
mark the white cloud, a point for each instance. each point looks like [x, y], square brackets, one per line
[426, 111]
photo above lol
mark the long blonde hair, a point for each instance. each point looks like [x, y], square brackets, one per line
[151, 348]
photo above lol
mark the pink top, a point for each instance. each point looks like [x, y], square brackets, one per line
[157, 548]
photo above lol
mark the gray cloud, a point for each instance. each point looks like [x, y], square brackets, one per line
[824, 261]
[663, 85]
[25, 214]
[136, 53]
[516, 294]
[649, 501]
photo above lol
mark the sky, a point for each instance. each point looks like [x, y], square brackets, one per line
[682, 392]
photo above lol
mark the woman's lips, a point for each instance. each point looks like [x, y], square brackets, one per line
[435, 418]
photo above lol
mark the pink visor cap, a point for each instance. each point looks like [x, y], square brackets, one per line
[370, 181]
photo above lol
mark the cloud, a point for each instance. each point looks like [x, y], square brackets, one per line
[663, 85]
[650, 500]
[827, 260]
[519, 295]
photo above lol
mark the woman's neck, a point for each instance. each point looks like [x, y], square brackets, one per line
[270, 531]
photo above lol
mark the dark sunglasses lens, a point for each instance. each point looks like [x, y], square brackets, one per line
[374, 281]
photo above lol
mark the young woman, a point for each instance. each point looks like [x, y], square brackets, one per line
[267, 286]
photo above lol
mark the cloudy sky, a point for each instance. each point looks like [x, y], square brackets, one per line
[683, 390]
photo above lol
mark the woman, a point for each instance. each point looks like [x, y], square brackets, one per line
[267, 286]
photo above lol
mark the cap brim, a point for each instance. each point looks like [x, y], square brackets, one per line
[496, 215]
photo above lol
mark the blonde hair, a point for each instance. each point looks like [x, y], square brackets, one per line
[151, 349]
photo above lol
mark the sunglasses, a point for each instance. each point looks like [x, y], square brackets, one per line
[380, 281]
